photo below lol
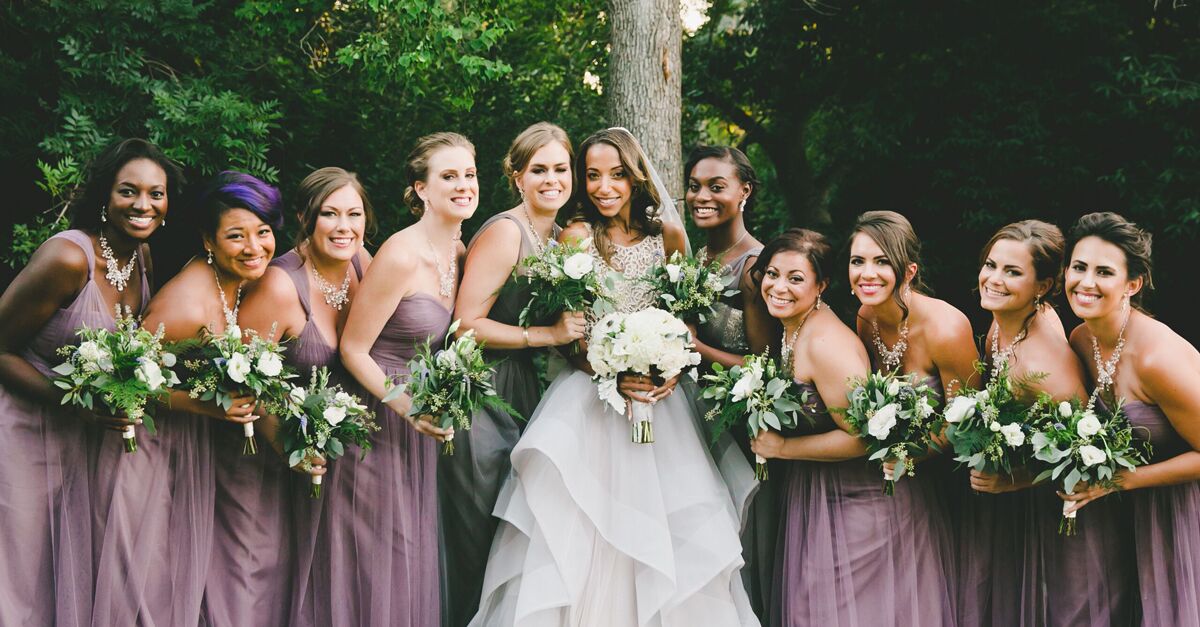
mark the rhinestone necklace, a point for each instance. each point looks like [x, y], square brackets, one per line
[336, 297]
[891, 357]
[789, 340]
[231, 315]
[117, 276]
[446, 278]
[538, 244]
[1000, 358]
[1107, 370]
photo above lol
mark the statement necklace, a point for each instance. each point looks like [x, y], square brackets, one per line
[1107, 370]
[117, 276]
[538, 244]
[1000, 358]
[446, 278]
[231, 315]
[787, 348]
[891, 357]
[336, 297]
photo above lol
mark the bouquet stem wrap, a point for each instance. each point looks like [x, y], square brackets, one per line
[129, 436]
[448, 445]
[315, 490]
[1067, 525]
[889, 480]
[250, 447]
[641, 415]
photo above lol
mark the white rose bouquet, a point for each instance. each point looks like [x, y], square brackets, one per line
[1073, 444]
[650, 342]
[222, 366]
[687, 287]
[123, 369]
[321, 419]
[897, 420]
[756, 393]
[452, 384]
[562, 277]
[989, 428]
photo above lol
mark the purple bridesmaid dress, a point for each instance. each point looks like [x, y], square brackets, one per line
[1166, 529]
[849, 555]
[46, 569]
[253, 570]
[376, 553]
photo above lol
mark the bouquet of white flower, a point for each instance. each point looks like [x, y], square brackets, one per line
[1075, 444]
[321, 419]
[562, 277]
[687, 287]
[124, 369]
[650, 342]
[754, 392]
[989, 428]
[452, 384]
[222, 366]
[896, 419]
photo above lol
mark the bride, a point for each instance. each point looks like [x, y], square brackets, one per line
[596, 530]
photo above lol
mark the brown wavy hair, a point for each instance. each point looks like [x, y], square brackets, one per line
[894, 234]
[416, 166]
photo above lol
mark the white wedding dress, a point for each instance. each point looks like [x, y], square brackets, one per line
[599, 531]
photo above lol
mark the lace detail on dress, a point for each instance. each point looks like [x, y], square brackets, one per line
[630, 264]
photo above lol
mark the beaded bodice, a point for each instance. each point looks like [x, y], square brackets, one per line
[629, 265]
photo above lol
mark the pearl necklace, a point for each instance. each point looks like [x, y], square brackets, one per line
[445, 279]
[787, 348]
[891, 357]
[538, 244]
[117, 276]
[1107, 370]
[336, 297]
[231, 315]
[1000, 358]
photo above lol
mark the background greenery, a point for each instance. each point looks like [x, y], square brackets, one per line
[963, 116]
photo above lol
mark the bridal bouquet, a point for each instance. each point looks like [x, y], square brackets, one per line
[451, 385]
[895, 417]
[123, 369]
[687, 287]
[754, 392]
[222, 366]
[321, 420]
[562, 277]
[1075, 444]
[650, 342]
[988, 428]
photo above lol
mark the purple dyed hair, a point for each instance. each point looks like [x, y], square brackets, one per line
[236, 190]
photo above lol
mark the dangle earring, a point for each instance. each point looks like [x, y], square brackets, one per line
[1037, 301]
[103, 214]
[742, 206]
[164, 222]
[210, 257]
[1125, 303]
[906, 293]
[820, 303]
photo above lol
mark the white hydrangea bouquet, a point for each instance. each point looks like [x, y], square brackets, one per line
[452, 384]
[687, 287]
[988, 429]
[321, 420]
[122, 370]
[896, 418]
[753, 392]
[649, 342]
[562, 277]
[222, 367]
[1074, 444]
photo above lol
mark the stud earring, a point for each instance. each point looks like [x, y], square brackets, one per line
[164, 222]
[210, 257]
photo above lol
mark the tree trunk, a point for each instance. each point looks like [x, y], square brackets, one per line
[644, 87]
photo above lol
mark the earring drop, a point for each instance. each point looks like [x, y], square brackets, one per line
[164, 222]
[820, 303]
[103, 214]
[1125, 302]
[742, 206]
[210, 257]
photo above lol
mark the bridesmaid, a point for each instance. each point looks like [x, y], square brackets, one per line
[1015, 568]
[848, 554]
[254, 577]
[46, 491]
[156, 532]
[1154, 374]
[721, 186]
[383, 565]
[538, 166]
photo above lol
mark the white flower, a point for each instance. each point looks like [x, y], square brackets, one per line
[343, 399]
[1013, 434]
[447, 360]
[149, 373]
[234, 331]
[269, 364]
[961, 408]
[578, 265]
[238, 367]
[297, 394]
[982, 396]
[1091, 455]
[91, 352]
[995, 427]
[750, 381]
[1089, 425]
[893, 388]
[880, 425]
[673, 270]
[168, 359]
[1064, 409]
[924, 409]
[334, 414]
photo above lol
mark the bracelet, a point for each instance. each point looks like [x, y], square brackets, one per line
[525, 332]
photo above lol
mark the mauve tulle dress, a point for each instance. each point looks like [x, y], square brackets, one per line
[46, 567]
[469, 481]
[849, 555]
[1166, 529]
[259, 515]
[375, 558]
